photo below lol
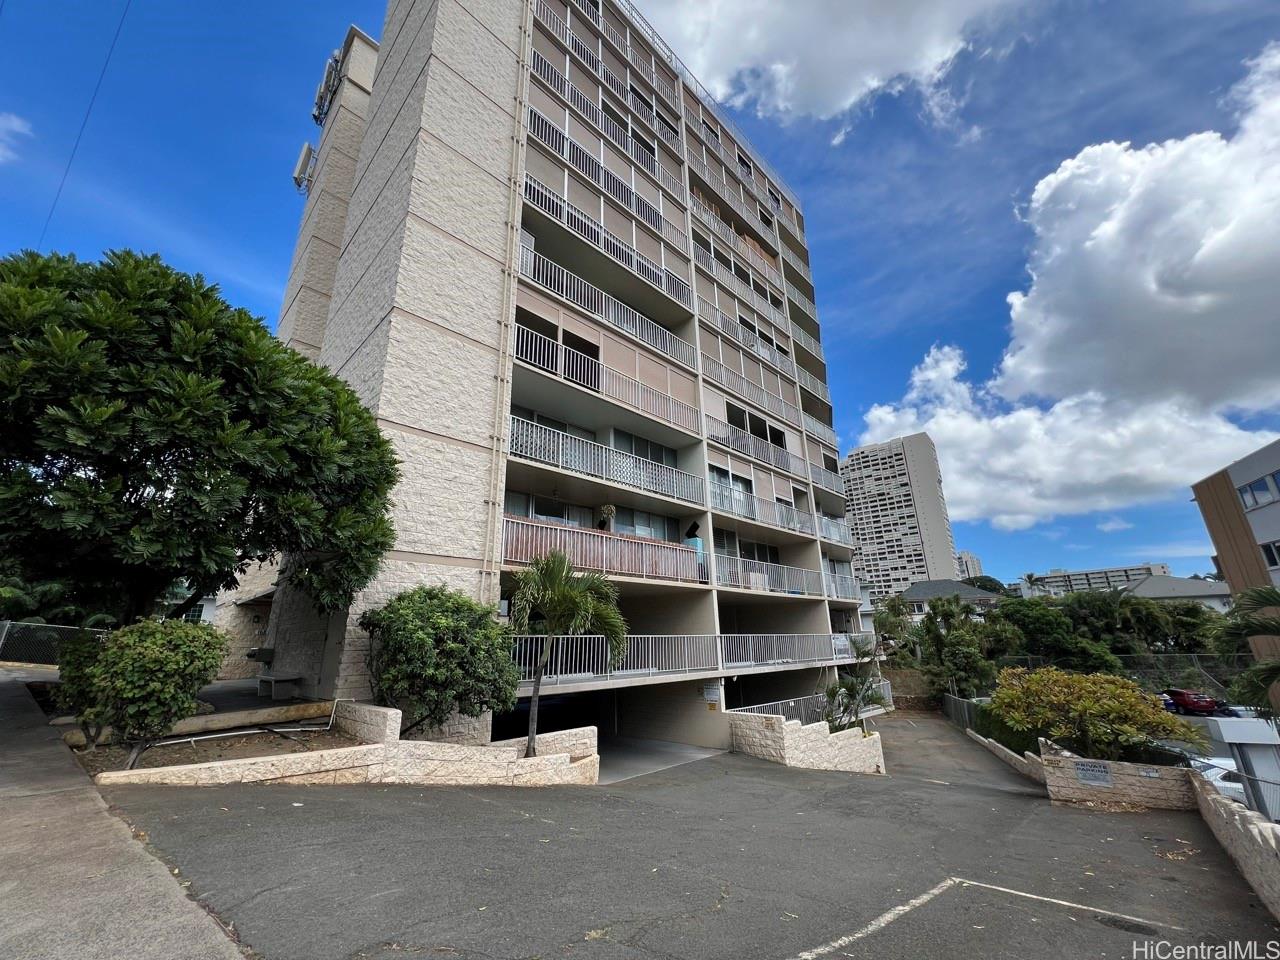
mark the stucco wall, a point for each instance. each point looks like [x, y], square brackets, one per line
[1070, 779]
[673, 711]
[1251, 840]
[1028, 764]
[814, 747]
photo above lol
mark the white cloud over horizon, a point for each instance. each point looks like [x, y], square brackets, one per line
[822, 57]
[12, 128]
[1149, 323]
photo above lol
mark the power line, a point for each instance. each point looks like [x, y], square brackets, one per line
[83, 123]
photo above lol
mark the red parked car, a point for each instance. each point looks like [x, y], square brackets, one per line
[1192, 701]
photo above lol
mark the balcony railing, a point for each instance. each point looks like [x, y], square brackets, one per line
[746, 574]
[834, 530]
[542, 444]
[725, 191]
[595, 301]
[815, 427]
[813, 385]
[730, 236]
[805, 304]
[598, 235]
[805, 339]
[796, 263]
[739, 503]
[525, 540]
[826, 479]
[743, 289]
[585, 659]
[714, 370]
[735, 439]
[747, 338]
[555, 358]
[807, 710]
[840, 587]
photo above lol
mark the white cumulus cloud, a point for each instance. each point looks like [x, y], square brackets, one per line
[12, 128]
[1114, 525]
[820, 57]
[1150, 318]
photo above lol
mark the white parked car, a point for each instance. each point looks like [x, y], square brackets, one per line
[1222, 773]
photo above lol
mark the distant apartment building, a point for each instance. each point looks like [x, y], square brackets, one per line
[1058, 581]
[1240, 505]
[580, 304]
[968, 565]
[898, 515]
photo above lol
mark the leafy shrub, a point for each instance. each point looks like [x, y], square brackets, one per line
[77, 656]
[1095, 715]
[987, 724]
[961, 663]
[146, 677]
[434, 651]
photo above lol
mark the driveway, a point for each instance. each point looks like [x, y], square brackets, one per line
[726, 857]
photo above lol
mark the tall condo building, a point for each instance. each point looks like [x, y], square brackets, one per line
[1059, 581]
[1240, 505]
[968, 565]
[580, 304]
[898, 515]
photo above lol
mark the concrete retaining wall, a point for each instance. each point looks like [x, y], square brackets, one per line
[578, 742]
[813, 746]
[1073, 779]
[1028, 764]
[1251, 840]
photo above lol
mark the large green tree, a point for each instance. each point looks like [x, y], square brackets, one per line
[151, 433]
[1048, 632]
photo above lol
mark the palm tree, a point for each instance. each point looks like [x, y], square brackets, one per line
[1256, 613]
[847, 698]
[566, 604]
[1033, 582]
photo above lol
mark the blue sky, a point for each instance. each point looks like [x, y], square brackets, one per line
[920, 217]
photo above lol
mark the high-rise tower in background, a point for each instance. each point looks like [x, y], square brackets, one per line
[580, 304]
[968, 564]
[898, 514]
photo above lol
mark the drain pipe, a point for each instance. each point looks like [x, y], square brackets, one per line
[249, 731]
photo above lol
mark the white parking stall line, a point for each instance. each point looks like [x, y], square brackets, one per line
[1065, 903]
[879, 923]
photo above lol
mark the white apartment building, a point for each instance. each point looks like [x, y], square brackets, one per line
[1241, 509]
[968, 564]
[897, 514]
[1058, 581]
[580, 304]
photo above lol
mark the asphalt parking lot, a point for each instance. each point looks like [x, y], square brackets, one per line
[725, 857]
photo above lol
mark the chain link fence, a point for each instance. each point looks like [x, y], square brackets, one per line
[34, 643]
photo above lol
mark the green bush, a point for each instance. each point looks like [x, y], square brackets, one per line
[147, 675]
[77, 656]
[434, 651]
[987, 724]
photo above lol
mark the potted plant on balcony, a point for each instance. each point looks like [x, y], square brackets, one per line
[605, 516]
[563, 603]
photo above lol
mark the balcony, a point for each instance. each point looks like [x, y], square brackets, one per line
[716, 371]
[555, 448]
[813, 385]
[748, 443]
[583, 661]
[727, 194]
[835, 531]
[826, 479]
[608, 553]
[743, 574]
[743, 289]
[581, 159]
[738, 503]
[711, 220]
[840, 587]
[816, 428]
[805, 304]
[803, 338]
[598, 235]
[747, 338]
[553, 78]
[578, 368]
[794, 261]
[549, 274]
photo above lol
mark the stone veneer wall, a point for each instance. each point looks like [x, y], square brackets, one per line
[1164, 788]
[470, 731]
[1251, 840]
[1028, 764]
[814, 747]
[234, 614]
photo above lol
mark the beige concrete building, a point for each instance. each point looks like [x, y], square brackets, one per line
[1059, 581]
[580, 305]
[897, 514]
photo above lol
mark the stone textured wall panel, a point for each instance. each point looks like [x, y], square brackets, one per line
[1251, 840]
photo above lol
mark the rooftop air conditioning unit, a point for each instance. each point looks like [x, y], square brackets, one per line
[304, 169]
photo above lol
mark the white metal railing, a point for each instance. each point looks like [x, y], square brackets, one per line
[598, 235]
[549, 274]
[807, 305]
[525, 540]
[757, 189]
[734, 438]
[805, 339]
[534, 441]
[730, 236]
[724, 190]
[581, 159]
[747, 338]
[840, 587]
[826, 479]
[834, 530]
[739, 503]
[713, 369]
[807, 710]
[813, 384]
[744, 289]
[802, 268]
[817, 428]
[745, 574]
[555, 358]
[749, 649]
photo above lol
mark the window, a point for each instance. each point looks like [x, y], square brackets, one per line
[1256, 494]
[646, 449]
[1271, 554]
[641, 523]
[195, 614]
